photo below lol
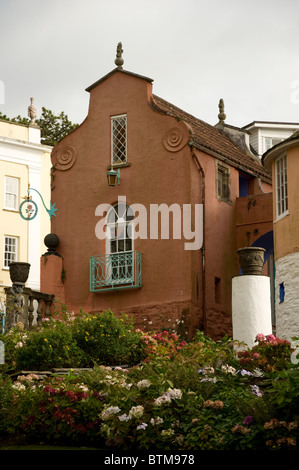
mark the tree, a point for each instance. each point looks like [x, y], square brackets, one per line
[53, 127]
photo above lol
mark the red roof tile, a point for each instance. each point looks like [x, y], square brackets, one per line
[214, 142]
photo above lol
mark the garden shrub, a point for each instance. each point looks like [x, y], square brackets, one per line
[108, 339]
[80, 341]
[270, 354]
[163, 404]
[47, 348]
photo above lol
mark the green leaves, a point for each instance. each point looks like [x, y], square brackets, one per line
[53, 126]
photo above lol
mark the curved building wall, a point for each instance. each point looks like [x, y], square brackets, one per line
[286, 293]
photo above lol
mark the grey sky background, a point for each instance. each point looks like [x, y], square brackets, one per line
[196, 51]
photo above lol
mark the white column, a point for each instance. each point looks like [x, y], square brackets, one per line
[251, 308]
[34, 227]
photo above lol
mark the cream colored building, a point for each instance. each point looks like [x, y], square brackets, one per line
[23, 161]
[283, 161]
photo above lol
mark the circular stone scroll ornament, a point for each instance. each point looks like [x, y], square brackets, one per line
[65, 157]
[175, 139]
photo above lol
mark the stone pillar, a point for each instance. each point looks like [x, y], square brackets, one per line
[251, 298]
[251, 308]
[15, 311]
[51, 269]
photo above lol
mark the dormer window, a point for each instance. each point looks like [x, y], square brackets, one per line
[119, 140]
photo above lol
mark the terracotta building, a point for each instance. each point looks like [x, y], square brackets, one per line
[160, 245]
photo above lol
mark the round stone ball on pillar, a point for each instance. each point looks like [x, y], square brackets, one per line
[51, 241]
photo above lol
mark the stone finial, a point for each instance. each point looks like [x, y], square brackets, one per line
[119, 60]
[221, 115]
[32, 112]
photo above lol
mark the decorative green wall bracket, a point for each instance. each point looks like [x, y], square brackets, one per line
[28, 208]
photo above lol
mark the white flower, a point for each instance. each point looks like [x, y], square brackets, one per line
[19, 344]
[228, 369]
[110, 411]
[125, 385]
[136, 411]
[143, 384]
[142, 426]
[163, 399]
[124, 417]
[156, 421]
[170, 394]
[174, 393]
[256, 390]
[18, 386]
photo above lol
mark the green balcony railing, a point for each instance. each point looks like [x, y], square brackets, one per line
[115, 271]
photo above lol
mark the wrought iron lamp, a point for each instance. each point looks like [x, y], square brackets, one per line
[113, 176]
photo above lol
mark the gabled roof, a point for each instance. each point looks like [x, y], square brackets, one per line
[117, 69]
[214, 142]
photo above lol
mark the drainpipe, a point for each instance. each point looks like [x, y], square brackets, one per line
[203, 249]
[260, 185]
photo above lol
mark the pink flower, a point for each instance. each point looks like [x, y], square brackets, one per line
[260, 337]
[248, 420]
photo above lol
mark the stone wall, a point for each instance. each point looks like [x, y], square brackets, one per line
[287, 296]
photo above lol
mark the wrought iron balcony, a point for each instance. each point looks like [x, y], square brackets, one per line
[115, 271]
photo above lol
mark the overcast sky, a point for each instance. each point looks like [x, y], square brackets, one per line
[196, 51]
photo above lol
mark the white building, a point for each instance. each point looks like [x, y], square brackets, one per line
[265, 134]
[24, 163]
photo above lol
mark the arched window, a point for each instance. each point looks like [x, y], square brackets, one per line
[119, 229]
[120, 267]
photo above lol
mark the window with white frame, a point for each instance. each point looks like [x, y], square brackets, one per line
[281, 186]
[10, 250]
[11, 199]
[270, 142]
[119, 139]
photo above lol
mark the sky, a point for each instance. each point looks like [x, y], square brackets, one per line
[196, 52]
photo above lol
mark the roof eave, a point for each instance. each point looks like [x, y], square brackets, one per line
[277, 150]
[228, 161]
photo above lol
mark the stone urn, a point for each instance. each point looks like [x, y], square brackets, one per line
[19, 272]
[251, 259]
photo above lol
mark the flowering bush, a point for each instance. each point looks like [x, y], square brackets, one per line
[270, 354]
[74, 341]
[203, 398]
[162, 344]
[107, 339]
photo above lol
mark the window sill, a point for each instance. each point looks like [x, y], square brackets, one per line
[16, 211]
[222, 199]
[282, 216]
[118, 165]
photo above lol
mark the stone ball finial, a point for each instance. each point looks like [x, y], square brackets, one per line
[32, 111]
[119, 60]
[51, 241]
[221, 115]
